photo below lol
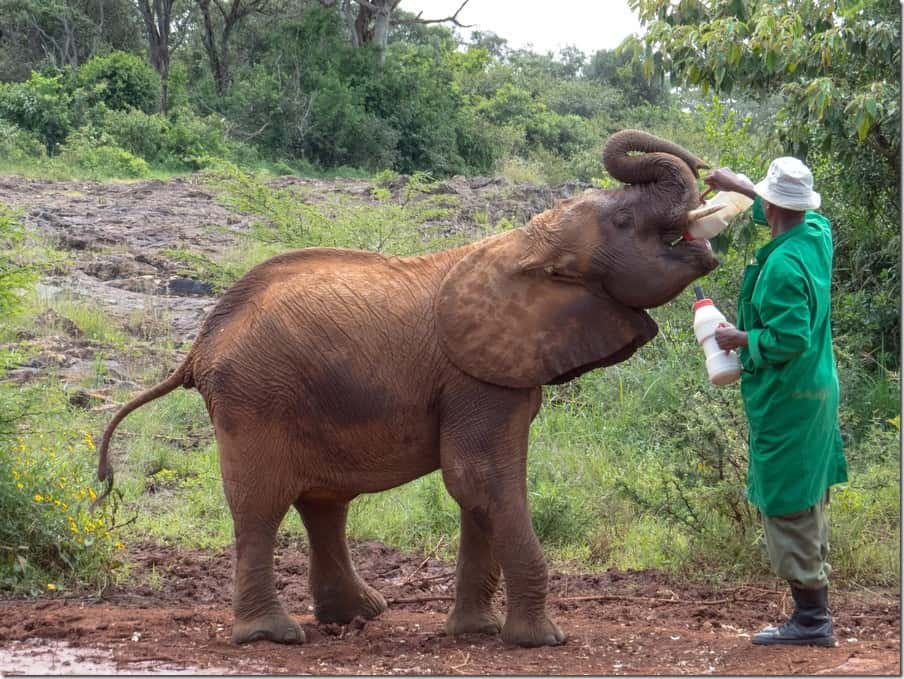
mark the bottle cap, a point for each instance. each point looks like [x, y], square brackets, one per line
[706, 301]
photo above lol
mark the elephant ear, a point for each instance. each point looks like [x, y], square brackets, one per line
[505, 317]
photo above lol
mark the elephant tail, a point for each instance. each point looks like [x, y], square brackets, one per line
[181, 377]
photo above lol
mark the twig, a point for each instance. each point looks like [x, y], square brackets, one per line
[436, 577]
[420, 599]
[460, 665]
[427, 558]
[597, 597]
[658, 600]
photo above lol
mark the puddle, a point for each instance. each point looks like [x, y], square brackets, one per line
[37, 656]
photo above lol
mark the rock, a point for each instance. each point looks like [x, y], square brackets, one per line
[52, 319]
[179, 285]
[117, 266]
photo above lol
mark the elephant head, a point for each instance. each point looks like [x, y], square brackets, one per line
[567, 293]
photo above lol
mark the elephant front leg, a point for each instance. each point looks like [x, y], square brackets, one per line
[476, 580]
[483, 453]
[339, 593]
[526, 580]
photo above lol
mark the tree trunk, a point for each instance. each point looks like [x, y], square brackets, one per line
[157, 24]
[218, 49]
[381, 27]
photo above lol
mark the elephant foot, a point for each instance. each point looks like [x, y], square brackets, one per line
[482, 621]
[532, 633]
[277, 627]
[343, 605]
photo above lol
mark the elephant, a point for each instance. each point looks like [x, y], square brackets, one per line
[328, 373]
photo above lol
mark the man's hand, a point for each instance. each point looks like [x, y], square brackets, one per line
[729, 337]
[725, 179]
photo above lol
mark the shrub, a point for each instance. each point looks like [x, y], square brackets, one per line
[15, 275]
[139, 133]
[18, 146]
[47, 532]
[121, 81]
[42, 105]
[98, 154]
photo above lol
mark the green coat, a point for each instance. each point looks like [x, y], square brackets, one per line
[789, 382]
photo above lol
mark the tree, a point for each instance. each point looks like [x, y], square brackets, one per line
[836, 64]
[217, 33]
[370, 21]
[59, 33]
[165, 22]
[619, 70]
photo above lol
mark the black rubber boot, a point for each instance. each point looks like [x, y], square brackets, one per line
[809, 625]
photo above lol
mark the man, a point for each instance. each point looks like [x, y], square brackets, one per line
[790, 389]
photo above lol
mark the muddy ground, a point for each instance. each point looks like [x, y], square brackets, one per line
[635, 622]
[173, 615]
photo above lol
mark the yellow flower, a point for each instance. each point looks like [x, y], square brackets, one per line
[119, 545]
[38, 498]
[92, 494]
[51, 586]
[15, 475]
[89, 440]
[20, 486]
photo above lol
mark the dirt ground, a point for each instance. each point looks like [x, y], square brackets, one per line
[173, 616]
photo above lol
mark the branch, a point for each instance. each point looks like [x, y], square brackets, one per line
[365, 3]
[418, 20]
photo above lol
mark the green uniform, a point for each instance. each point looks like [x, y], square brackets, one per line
[789, 382]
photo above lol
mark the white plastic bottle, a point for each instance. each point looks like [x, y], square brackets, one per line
[721, 366]
[712, 225]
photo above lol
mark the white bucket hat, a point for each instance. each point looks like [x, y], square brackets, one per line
[789, 184]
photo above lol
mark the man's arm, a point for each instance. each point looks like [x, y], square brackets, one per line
[724, 179]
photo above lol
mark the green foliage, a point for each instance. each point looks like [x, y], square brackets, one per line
[400, 226]
[180, 140]
[48, 538]
[41, 105]
[18, 146]
[17, 274]
[121, 81]
[96, 153]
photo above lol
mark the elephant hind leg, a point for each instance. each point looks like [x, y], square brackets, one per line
[257, 512]
[259, 615]
[339, 593]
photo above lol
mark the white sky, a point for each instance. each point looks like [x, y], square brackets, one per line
[548, 25]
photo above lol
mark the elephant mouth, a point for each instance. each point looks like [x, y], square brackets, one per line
[699, 249]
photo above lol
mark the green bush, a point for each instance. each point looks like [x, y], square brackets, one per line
[48, 536]
[16, 275]
[182, 140]
[121, 81]
[19, 146]
[142, 134]
[41, 105]
[97, 154]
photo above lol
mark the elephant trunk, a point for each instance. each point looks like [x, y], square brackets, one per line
[659, 162]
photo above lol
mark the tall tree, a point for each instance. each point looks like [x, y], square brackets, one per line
[165, 23]
[58, 33]
[370, 20]
[218, 29]
[836, 64]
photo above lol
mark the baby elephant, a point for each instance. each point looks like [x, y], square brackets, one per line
[328, 373]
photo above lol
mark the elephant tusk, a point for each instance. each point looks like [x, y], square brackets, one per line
[702, 212]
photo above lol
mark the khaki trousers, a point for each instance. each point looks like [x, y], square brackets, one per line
[798, 545]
